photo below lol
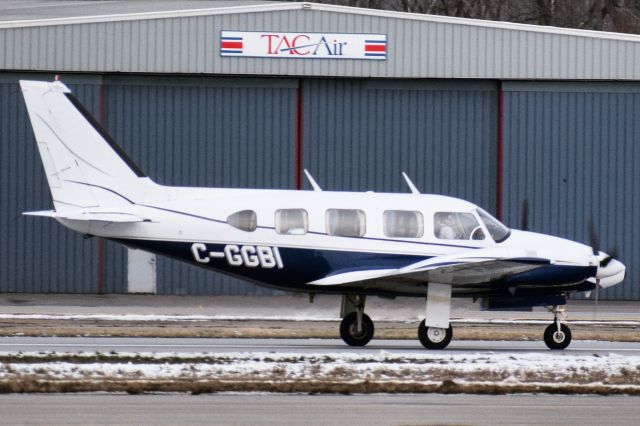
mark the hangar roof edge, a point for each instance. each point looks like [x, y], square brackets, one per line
[276, 7]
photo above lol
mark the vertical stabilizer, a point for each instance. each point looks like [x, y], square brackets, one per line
[84, 166]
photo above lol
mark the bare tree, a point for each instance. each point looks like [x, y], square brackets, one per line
[602, 15]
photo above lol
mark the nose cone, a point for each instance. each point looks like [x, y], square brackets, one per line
[548, 246]
[611, 274]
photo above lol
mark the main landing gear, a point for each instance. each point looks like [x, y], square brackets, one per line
[435, 331]
[434, 337]
[557, 336]
[356, 328]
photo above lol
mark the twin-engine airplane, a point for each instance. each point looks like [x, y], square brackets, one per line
[353, 244]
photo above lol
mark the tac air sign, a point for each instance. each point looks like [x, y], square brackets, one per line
[303, 45]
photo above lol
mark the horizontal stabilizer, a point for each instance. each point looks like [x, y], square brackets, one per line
[113, 217]
[43, 213]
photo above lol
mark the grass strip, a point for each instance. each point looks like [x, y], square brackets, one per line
[28, 384]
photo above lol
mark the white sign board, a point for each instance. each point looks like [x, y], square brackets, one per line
[269, 44]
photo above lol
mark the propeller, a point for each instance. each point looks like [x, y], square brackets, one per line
[595, 246]
[594, 242]
[611, 254]
[524, 215]
[593, 238]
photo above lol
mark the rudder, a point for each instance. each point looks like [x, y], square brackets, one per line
[83, 164]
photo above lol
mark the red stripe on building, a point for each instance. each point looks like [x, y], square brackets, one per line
[299, 135]
[375, 48]
[232, 45]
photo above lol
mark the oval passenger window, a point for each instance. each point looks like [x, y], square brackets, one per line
[245, 220]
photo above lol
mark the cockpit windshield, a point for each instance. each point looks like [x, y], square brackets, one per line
[496, 229]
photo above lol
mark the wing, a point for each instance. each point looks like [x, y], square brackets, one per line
[466, 268]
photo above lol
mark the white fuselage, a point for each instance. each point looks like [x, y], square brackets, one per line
[189, 216]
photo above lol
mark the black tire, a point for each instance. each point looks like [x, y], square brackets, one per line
[434, 338]
[555, 340]
[349, 332]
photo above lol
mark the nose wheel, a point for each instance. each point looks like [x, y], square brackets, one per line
[557, 336]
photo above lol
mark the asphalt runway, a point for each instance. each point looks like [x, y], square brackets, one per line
[276, 409]
[307, 346]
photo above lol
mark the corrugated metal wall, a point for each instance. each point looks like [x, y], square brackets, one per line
[205, 132]
[39, 255]
[572, 149]
[419, 46]
[360, 135]
[201, 132]
[569, 148]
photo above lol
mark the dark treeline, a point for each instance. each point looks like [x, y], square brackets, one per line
[603, 15]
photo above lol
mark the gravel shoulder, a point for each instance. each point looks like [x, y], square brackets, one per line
[289, 316]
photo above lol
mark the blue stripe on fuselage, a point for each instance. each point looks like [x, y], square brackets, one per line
[300, 265]
[303, 265]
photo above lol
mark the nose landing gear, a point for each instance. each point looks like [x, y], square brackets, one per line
[557, 336]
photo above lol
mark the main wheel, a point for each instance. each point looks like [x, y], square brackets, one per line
[434, 338]
[349, 330]
[555, 339]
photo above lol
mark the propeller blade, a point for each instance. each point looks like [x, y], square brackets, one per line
[593, 238]
[611, 254]
[524, 215]
[595, 246]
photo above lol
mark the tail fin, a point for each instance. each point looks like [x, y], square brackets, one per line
[85, 168]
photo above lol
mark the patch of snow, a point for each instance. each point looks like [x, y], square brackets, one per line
[503, 369]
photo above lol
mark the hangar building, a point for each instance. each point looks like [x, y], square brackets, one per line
[248, 94]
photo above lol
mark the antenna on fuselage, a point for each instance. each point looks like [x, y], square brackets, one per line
[412, 187]
[312, 181]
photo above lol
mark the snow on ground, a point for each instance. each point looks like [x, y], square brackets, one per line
[501, 368]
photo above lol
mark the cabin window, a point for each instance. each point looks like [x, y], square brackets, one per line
[403, 224]
[457, 226]
[345, 223]
[292, 221]
[245, 220]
